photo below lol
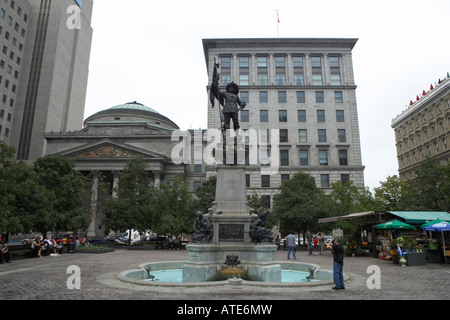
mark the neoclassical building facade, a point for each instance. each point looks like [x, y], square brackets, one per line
[109, 139]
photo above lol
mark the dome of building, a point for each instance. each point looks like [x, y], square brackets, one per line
[132, 112]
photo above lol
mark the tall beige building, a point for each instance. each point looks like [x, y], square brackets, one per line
[423, 129]
[52, 80]
[304, 90]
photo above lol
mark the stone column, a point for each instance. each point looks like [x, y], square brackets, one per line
[94, 205]
[157, 177]
[115, 183]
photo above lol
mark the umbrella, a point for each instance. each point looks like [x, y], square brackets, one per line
[438, 225]
[395, 224]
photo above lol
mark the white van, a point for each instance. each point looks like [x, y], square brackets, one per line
[135, 237]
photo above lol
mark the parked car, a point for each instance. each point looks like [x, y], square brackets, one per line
[68, 237]
[29, 240]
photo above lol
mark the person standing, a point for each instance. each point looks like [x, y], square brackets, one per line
[309, 242]
[321, 243]
[338, 263]
[290, 239]
[4, 254]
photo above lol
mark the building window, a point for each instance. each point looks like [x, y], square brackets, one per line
[264, 116]
[341, 135]
[316, 71]
[300, 96]
[335, 71]
[284, 135]
[324, 180]
[323, 157]
[197, 184]
[282, 115]
[298, 71]
[244, 75]
[319, 97]
[320, 115]
[301, 114]
[265, 181]
[280, 70]
[247, 180]
[263, 97]
[340, 116]
[338, 98]
[285, 177]
[282, 97]
[304, 161]
[343, 160]
[322, 134]
[284, 157]
[244, 96]
[225, 70]
[197, 168]
[244, 116]
[345, 178]
[262, 71]
[303, 135]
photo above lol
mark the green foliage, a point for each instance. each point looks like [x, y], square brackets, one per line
[174, 208]
[300, 204]
[132, 209]
[206, 194]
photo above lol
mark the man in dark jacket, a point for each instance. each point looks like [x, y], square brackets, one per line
[338, 263]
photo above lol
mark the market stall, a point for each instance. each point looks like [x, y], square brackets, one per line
[401, 243]
[438, 226]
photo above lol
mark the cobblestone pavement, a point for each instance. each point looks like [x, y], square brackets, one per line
[46, 278]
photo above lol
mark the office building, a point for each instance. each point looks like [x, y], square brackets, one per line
[304, 89]
[423, 129]
[50, 44]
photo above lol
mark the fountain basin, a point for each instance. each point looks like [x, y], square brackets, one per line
[139, 276]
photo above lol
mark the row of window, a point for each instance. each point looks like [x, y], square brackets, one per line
[280, 70]
[423, 118]
[428, 150]
[13, 6]
[300, 96]
[304, 158]
[303, 136]
[283, 116]
[265, 181]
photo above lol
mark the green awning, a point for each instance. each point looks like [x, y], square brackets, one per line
[421, 217]
[395, 225]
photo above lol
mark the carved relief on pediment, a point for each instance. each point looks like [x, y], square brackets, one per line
[106, 152]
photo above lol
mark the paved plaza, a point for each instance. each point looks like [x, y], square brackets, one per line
[47, 278]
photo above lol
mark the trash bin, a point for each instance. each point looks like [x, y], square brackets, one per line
[71, 246]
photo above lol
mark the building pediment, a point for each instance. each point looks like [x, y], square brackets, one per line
[108, 149]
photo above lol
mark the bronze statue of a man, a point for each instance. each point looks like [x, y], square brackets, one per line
[229, 100]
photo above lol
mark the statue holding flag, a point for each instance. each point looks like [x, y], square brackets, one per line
[228, 99]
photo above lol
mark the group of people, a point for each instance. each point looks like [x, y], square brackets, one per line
[337, 250]
[50, 244]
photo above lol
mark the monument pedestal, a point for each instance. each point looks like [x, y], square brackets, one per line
[231, 220]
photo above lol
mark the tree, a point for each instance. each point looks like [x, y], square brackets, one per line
[68, 187]
[206, 194]
[300, 204]
[132, 209]
[174, 208]
[389, 196]
[429, 189]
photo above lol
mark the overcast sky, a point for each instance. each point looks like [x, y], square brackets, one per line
[151, 52]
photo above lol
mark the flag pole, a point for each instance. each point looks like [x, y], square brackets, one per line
[278, 24]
